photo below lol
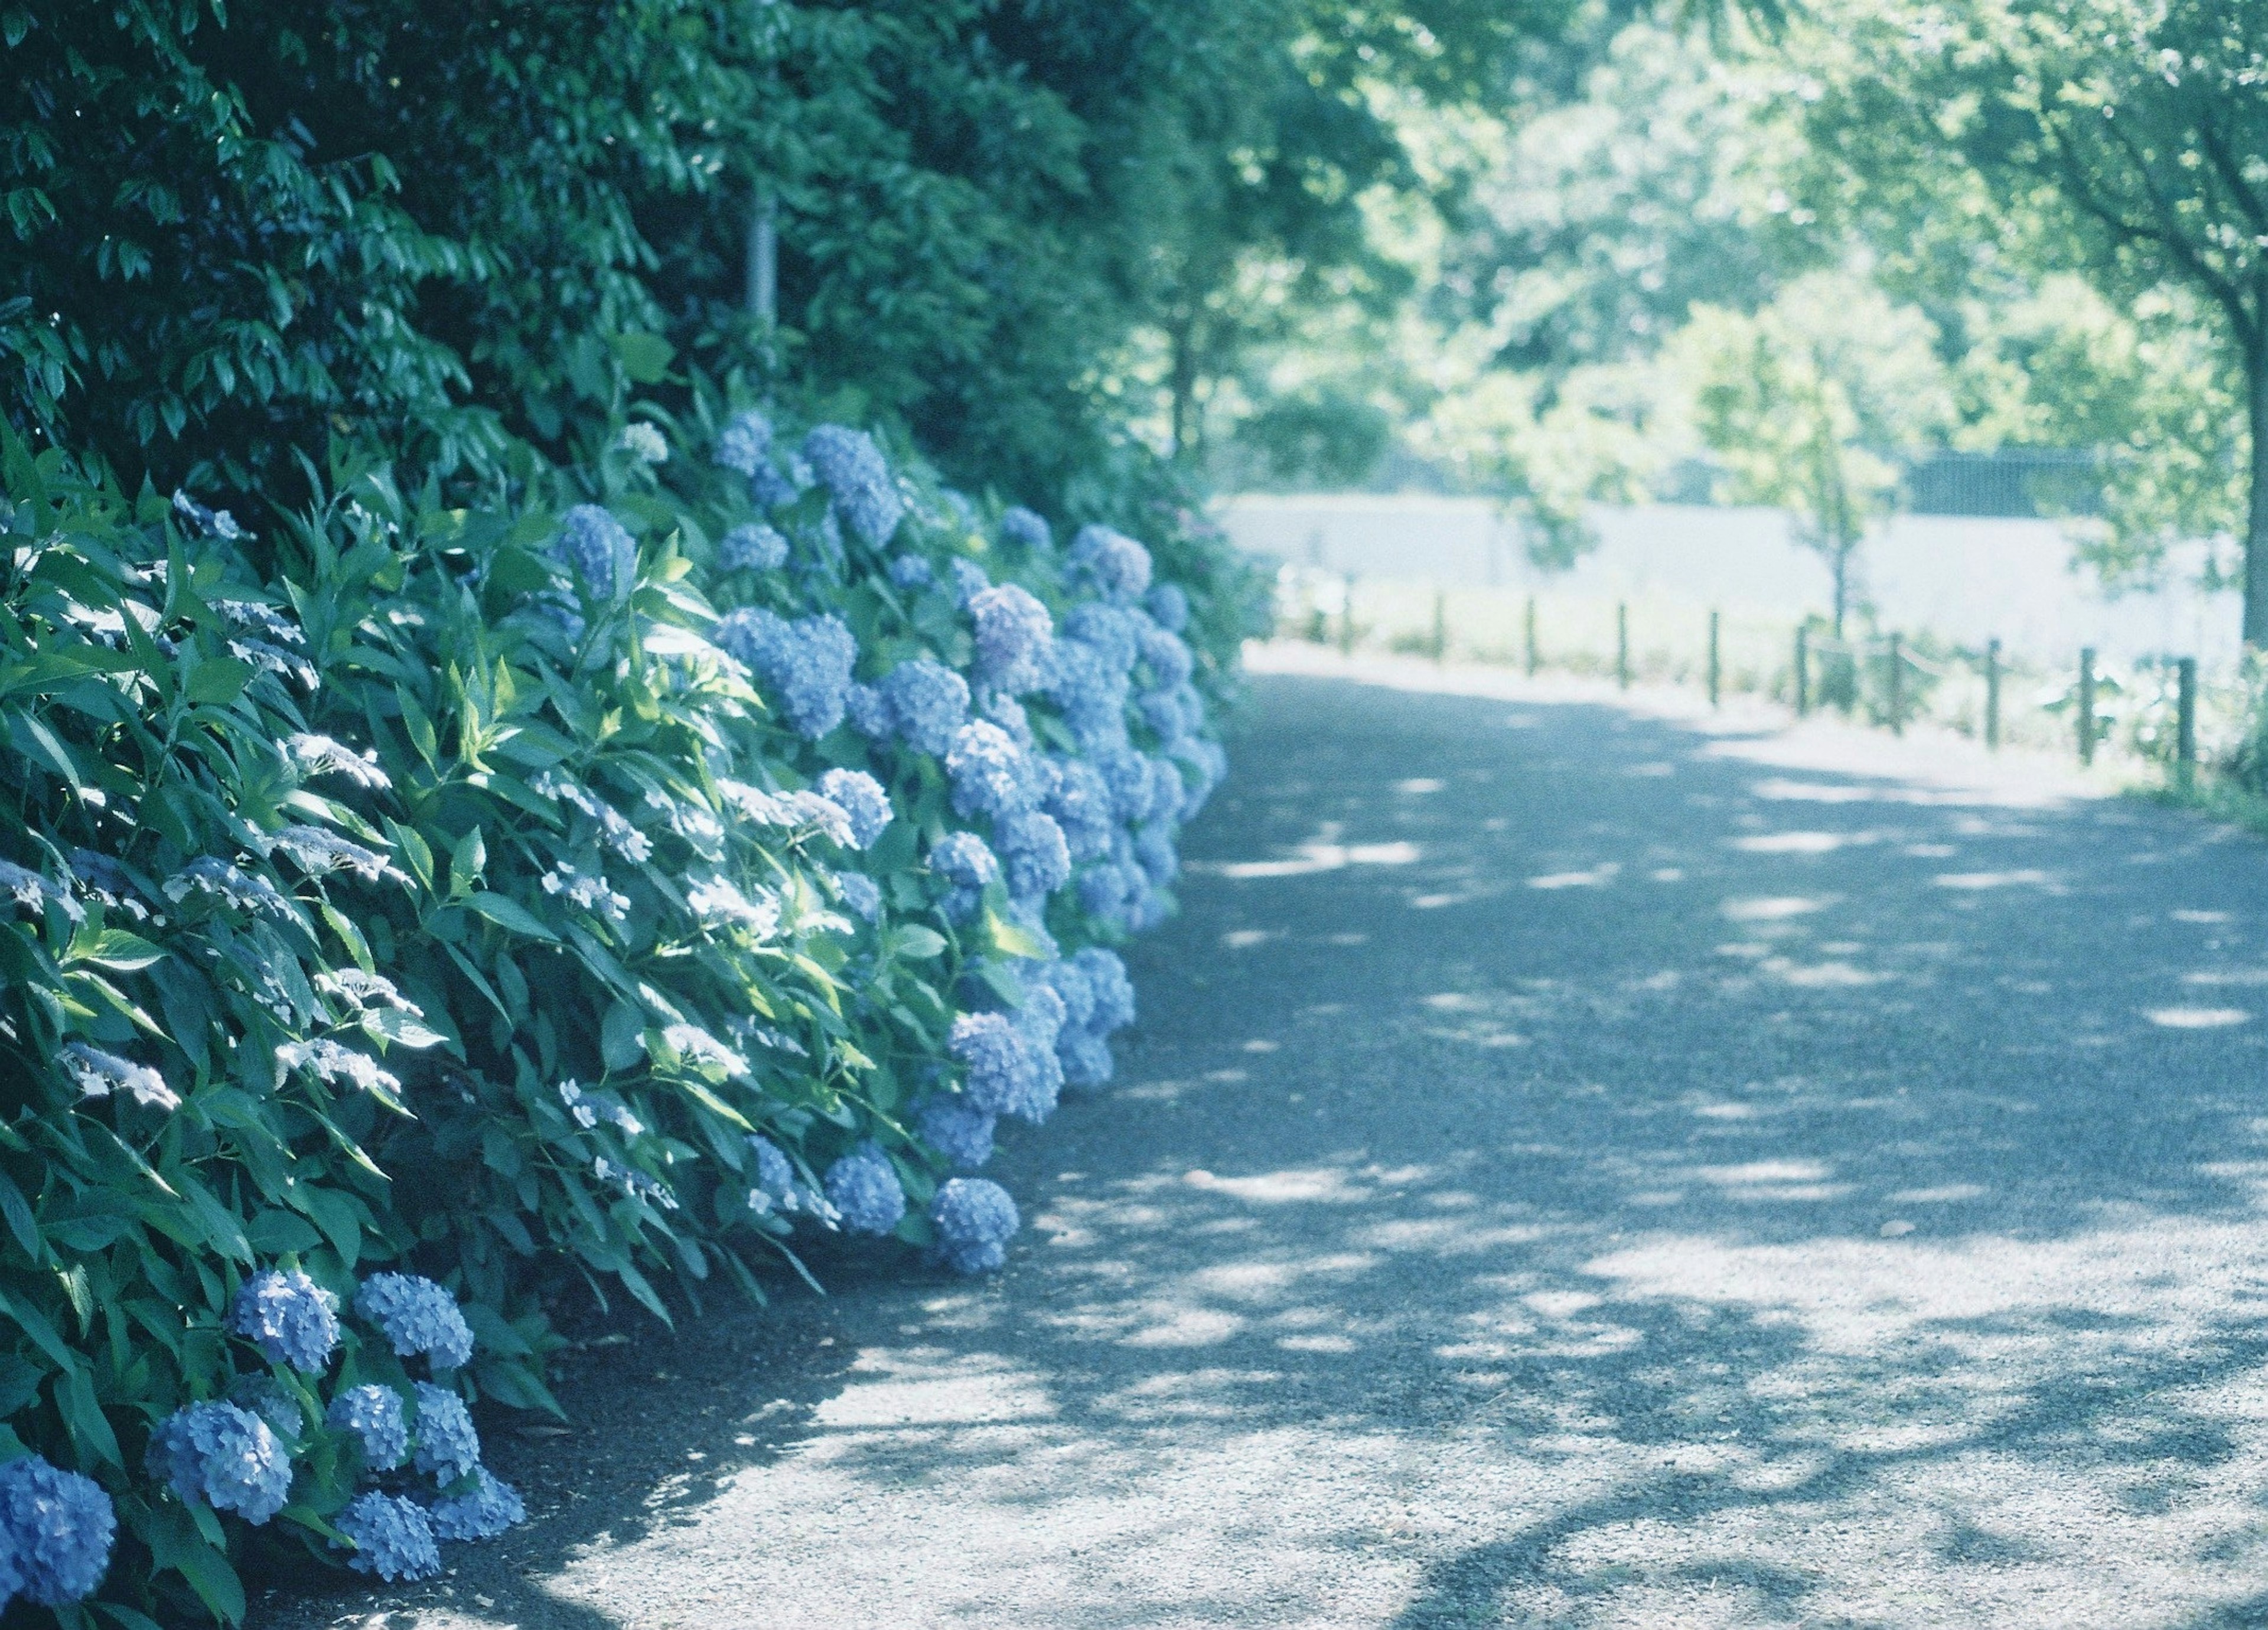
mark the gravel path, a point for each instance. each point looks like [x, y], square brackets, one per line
[1575, 1168]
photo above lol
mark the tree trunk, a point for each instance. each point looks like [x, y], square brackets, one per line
[1839, 561]
[2256, 504]
[1182, 381]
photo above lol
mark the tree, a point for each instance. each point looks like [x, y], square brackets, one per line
[1804, 400]
[2123, 139]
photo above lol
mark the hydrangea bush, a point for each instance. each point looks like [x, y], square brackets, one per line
[413, 916]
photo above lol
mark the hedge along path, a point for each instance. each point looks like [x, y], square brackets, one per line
[1571, 1168]
[588, 904]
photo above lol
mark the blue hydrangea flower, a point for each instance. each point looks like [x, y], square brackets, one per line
[265, 1397]
[1107, 630]
[1088, 696]
[1082, 806]
[60, 1526]
[1173, 715]
[1033, 850]
[974, 1219]
[289, 1317]
[868, 711]
[862, 894]
[860, 796]
[911, 571]
[1168, 607]
[1026, 531]
[557, 607]
[483, 1514]
[775, 1174]
[1116, 564]
[958, 1130]
[1085, 1059]
[770, 489]
[1072, 988]
[1013, 632]
[928, 701]
[967, 868]
[1114, 991]
[1103, 889]
[1007, 712]
[1127, 776]
[969, 580]
[1153, 848]
[1164, 654]
[864, 1189]
[374, 1414]
[1167, 790]
[746, 440]
[752, 546]
[806, 663]
[226, 1456]
[392, 1538]
[417, 1316]
[593, 544]
[1001, 1076]
[447, 1446]
[857, 478]
[990, 775]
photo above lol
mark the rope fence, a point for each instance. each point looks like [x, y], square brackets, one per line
[2160, 710]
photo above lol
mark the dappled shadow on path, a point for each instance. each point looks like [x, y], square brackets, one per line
[1571, 1170]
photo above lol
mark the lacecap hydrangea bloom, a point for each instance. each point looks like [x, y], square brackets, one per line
[861, 798]
[289, 1317]
[417, 1316]
[1013, 633]
[857, 478]
[375, 1416]
[483, 1514]
[956, 1129]
[391, 1536]
[973, 1219]
[59, 1527]
[805, 664]
[448, 1447]
[226, 1456]
[98, 1074]
[593, 543]
[864, 1189]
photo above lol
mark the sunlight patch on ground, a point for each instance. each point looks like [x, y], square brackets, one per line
[1319, 857]
[2195, 1018]
[2026, 877]
[1803, 843]
[1596, 877]
[2201, 916]
[1420, 784]
[1774, 908]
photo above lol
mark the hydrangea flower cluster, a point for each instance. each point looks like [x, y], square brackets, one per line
[594, 545]
[418, 1318]
[374, 1415]
[58, 1529]
[926, 703]
[1013, 636]
[392, 1538]
[805, 664]
[226, 1456]
[974, 1220]
[864, 1189]
[857, 478]
[289, 1317]
[446, 1446]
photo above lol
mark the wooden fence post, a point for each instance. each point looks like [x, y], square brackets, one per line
[1802, 670]
[1897, 685]
[1992, 695]
[1714, 668]
[1531, 637]
[1622, 645]
[2087, 705]
[2185, 730]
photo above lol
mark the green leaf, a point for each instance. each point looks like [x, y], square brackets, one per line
[275, 1230]
[114, 949]
[646, 357]
[467, 861]
[506, 912]
[404, 1029]
[914, 942]
[217, 682]
[1010, 940]
[175, 1544]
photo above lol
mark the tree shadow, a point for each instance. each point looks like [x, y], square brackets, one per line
[1568, 1170]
